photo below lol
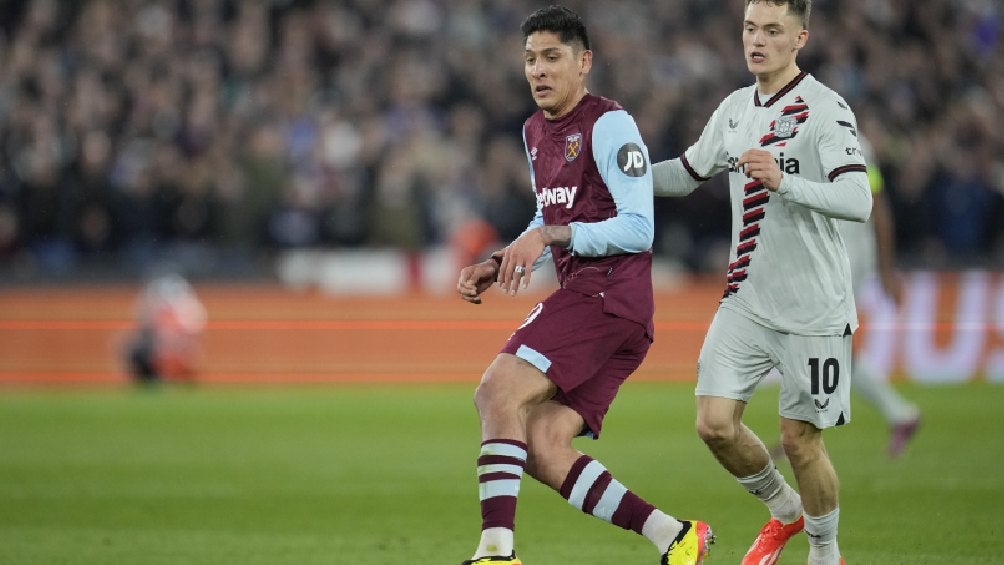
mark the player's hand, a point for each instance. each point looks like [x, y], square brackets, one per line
[760, 165]
[475, 279]
[518, 260]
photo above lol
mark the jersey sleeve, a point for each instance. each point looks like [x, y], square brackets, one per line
[538, 216]
[670, 178]
[846, 194]
[623, 162]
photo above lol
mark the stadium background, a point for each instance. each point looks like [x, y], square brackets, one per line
[318, 170]
[368, 147]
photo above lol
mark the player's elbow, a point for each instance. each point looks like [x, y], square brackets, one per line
[640, 236]
[857, 205]
[861, 209]
[862, 215]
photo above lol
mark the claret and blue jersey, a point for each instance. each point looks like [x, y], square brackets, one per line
[590, 170]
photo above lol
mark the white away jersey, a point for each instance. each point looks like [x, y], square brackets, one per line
[788, 268]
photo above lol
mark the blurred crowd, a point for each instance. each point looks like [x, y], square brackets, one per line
[213, 133]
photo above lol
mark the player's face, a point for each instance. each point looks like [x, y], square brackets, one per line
[556, 72]
[771, 39]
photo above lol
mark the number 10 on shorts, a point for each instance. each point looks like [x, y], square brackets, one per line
[826, 376]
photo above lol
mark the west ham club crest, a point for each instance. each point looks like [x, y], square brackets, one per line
[573, 145]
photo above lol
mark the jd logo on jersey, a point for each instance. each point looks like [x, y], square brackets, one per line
[631, 160]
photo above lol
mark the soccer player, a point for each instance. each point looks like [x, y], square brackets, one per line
[870, 247]
[556, 376]
[790, 147]
[170, 323]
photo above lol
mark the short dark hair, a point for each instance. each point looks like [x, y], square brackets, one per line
[798, 8]
[560, 20]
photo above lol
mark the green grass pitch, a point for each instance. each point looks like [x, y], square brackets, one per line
[385, 475]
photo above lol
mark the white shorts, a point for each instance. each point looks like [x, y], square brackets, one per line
[815, 370]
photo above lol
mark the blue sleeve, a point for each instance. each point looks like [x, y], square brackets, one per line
[622, 160]
[538, 217]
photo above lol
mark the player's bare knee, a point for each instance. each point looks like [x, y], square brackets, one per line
[487, 401]
[802, 442]
[503, 389]
[490, 394]
[793, 447]
[715, 431]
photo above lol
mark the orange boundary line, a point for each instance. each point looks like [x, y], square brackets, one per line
[384, 325]
[70, 377]
[75, 377]
[303, 325]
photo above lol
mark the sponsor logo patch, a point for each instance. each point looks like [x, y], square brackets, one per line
[631, 160]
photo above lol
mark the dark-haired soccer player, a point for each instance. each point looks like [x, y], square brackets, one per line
[559, 371]
[789, 145]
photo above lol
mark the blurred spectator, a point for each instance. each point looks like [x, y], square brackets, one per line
[89, 177]
[170, 320]
[210, 132]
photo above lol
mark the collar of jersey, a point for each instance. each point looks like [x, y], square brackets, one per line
[780, 93]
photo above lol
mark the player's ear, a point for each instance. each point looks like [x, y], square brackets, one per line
[585, 61]
[803, 38]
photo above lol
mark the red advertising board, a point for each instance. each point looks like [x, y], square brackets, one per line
[949, 328]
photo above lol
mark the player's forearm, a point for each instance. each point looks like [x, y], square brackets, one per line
[625, 233]
[556, 235]
[670, 178]
[847, 198]
[546, 234]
